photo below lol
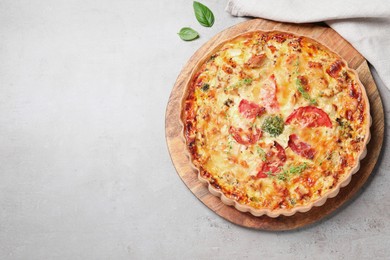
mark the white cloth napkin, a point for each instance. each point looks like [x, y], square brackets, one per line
[365, 24]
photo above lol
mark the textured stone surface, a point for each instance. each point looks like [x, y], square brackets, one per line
[83, 91]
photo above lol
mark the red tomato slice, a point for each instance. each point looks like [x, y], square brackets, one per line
[309, 117]
[301, 148]
[275, 158]
[261, 174]
[246, 138]
[268, 95]
[250, 109]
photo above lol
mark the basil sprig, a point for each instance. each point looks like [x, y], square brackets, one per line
[188, 34]
[203, 14]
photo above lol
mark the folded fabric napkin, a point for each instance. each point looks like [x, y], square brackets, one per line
[365, 24]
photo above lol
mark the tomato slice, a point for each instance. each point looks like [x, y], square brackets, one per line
[275, 159]
[249, 109]
[268, 95]
[246, 138]
[301, 148]
[309, 116]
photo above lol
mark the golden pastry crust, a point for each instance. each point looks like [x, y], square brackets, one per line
[275, 122]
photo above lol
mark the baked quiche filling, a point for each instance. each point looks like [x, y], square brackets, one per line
[274, 120]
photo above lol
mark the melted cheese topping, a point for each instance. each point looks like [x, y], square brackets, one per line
[279, 73]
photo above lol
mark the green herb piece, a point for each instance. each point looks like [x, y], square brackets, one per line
[296, 65]
[229, 144]
[293, 170]
[298, 169]
[247, 81]
[203, 14]
[205, 87]
[293, 201]
[240, 83]
[262, 153]
[304, 94]
[188, 34]
[255, 199]
[274, 125]
[283, 176]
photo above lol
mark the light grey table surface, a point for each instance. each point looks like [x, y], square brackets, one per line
[84, 168]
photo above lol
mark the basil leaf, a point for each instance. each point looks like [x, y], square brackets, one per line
[203, 14]
[188, 34]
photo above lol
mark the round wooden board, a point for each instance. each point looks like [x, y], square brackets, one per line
[176, 145]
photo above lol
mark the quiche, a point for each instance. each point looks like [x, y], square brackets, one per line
[275, 122]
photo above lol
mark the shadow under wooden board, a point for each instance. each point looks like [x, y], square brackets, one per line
[176, 145]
